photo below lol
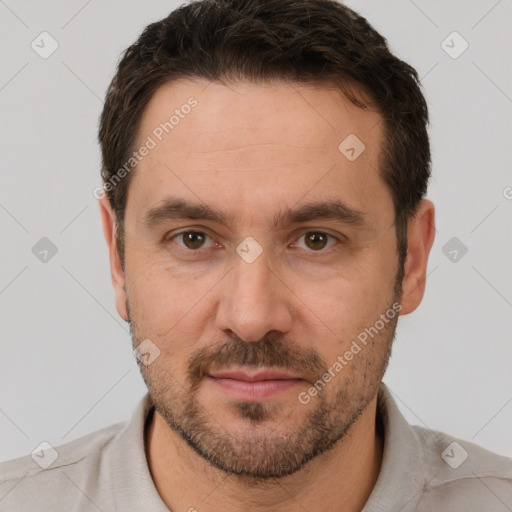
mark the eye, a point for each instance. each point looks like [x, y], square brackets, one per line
[316, 241]
[193, 240]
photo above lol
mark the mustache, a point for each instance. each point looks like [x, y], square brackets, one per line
[270, 351]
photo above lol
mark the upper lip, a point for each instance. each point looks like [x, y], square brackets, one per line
[252, 377]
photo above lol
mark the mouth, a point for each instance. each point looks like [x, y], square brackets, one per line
[254, 386]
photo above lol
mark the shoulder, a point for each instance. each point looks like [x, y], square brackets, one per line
[460, 475]
[51, 472]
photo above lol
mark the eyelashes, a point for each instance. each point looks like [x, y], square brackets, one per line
[311, 241]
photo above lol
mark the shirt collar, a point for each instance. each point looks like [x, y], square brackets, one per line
[401, 476]
[133, 486]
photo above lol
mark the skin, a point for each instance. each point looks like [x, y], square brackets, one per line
[241, 152]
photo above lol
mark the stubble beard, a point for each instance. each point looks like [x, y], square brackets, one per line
[267, 448]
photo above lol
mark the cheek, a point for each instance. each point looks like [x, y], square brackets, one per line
[340, 308]
[166, 305]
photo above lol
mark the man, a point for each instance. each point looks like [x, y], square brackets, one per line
[265, 165]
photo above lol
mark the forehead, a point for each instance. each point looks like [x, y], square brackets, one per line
[301, 116]
[244, 146]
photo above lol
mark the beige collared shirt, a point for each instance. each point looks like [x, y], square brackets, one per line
[108, 471]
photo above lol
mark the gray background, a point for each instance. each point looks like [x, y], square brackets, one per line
[66, 366]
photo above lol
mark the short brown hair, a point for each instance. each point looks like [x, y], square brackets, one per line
[301, 41]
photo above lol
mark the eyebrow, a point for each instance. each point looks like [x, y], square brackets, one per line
[336, 210]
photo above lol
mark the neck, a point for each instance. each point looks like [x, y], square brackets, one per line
[338, 480]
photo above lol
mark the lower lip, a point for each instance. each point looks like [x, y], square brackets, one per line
[257, 390]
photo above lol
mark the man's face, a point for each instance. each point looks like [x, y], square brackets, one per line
[275, 281]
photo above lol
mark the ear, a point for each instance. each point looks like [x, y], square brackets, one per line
[108, 218]
[420, 237]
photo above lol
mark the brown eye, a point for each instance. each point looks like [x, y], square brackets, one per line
[193, 239]
[316, 240]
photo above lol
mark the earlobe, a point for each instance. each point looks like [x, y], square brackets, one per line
[108, 219]
[420, 238]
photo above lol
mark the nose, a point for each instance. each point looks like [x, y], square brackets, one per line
[254, 301]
